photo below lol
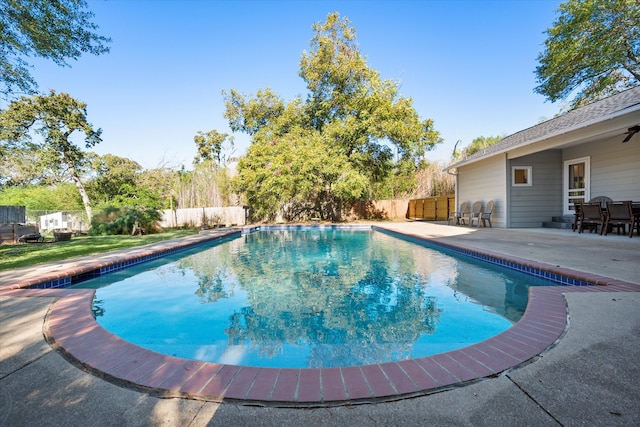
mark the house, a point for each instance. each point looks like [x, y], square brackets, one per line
[538, 173]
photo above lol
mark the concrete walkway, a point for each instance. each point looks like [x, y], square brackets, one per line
[591, 377]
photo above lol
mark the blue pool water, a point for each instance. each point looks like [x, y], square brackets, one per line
[309, 298]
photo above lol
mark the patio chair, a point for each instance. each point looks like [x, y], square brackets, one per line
[602, 200]
[576, 216]
[619, 215]
[458, 215]
[576, 209]
[486, 214]
[592, 216]
[475, 214]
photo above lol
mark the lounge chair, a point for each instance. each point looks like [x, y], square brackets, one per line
[475, 214]
[592, 216]
[458, 215]
[619, 215]
[486, 214]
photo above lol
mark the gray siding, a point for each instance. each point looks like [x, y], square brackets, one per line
[615, 167]
[530, 206]
[484, 181]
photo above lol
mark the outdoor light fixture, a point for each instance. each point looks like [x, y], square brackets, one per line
[630, 132]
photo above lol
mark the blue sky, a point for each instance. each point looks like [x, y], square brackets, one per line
[468, 65]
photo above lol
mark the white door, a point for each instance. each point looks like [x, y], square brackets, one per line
[576, 183]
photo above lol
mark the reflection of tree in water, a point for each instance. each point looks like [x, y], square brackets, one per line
[211, 289]
[357, 301]
[215, 279]
[97, 308]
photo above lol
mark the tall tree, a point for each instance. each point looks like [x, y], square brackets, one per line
[295, 173]
[478, 144]
[593, 49]
[115, 182]
[160, 181]
[54, 118]
[211, 145]
[345, 131]
[57, 30]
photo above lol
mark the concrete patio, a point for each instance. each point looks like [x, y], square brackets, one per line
[591, 376]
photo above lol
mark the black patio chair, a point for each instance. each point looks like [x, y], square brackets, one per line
[591, 216]
[619, 215]
[576, 209]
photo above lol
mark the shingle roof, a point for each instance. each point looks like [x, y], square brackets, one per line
[589, 114]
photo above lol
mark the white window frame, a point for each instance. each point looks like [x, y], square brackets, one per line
[529, 170]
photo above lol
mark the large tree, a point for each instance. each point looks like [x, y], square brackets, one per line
[57, 30]
[296, 172]
[116, 181]
[162, 182]
[52, 119]
[478, 144]
[592, 51]
[210, 147]
[310, 156]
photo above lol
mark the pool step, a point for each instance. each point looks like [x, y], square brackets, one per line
[563, 222]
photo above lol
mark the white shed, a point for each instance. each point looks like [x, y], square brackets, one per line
[61, 221]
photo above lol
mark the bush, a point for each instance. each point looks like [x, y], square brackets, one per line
[119, 220]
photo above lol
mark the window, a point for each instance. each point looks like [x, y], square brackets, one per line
[521, 176]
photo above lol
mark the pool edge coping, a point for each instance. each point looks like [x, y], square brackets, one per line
[85, 343]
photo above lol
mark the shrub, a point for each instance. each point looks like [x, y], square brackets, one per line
[119, 220]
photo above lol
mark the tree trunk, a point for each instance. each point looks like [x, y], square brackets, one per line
[83, 193]
[337, 214]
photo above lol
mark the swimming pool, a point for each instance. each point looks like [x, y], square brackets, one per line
[310, 298]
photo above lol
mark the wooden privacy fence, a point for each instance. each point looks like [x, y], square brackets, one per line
[10, 233]
[12, 214]
[197, 217]
[432, 208]
[379, 209]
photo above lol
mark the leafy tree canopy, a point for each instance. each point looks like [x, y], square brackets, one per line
[54, 118]
[161, 182]
[477, 145]
[19, 166]
[210, 147]
[57, 30]
[296, 172]
[115, 183]
[309, 157]
[60, 197]
[592, 50]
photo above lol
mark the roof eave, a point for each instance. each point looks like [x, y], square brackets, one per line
[628, 110]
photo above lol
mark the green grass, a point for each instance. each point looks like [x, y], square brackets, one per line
[27, 254]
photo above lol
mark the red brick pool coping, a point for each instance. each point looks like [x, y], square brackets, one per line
[71, 328]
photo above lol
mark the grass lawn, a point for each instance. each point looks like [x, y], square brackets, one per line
[26, 254]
